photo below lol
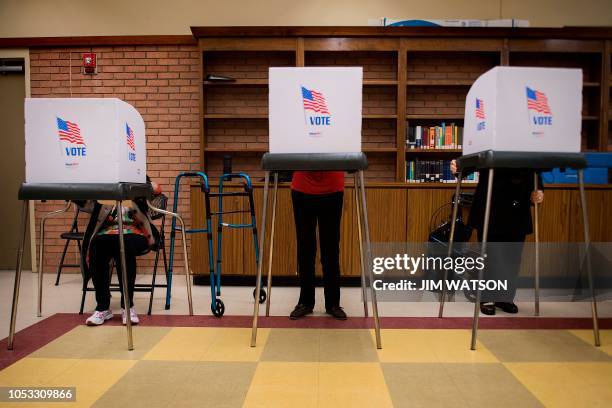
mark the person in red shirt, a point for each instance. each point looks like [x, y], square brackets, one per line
[317, 200]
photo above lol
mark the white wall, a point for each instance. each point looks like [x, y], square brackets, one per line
[41, 18]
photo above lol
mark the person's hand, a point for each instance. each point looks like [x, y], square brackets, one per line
[156, 188]
[453, 166]
[537, 196]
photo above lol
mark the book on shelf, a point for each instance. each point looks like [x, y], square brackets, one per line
[434, 137]
[433, 171]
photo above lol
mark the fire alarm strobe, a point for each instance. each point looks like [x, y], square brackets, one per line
[89, 63]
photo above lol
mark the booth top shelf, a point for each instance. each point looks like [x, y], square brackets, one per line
[84, 191]
[525, 160]
[314, 161]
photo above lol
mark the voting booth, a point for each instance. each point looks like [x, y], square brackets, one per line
[83, 149]
[315, 125]
[84, 140]
[523, 118]
[524, 110]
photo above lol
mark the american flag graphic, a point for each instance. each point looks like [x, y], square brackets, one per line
[480, 113]
[130, 137]
[537, 101]
[314, 101]
[69, 132]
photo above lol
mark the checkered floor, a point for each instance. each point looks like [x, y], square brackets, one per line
[293, 367]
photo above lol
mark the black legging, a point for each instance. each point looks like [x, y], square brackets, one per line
[326, 211]
[103, 249]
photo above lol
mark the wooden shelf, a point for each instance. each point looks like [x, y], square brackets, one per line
[439, 82]
[590, 84]
[434, 117]
[224, 116]
[379, 116]
[379, 149]
[379, 82]
[252, 82]
[590, 117]
[421, 150]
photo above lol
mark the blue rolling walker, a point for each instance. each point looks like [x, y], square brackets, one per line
[247, 192]
[216, 304]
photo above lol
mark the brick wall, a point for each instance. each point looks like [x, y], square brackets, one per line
[161, 82]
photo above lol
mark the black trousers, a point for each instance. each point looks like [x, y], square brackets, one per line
[324, 210]
[504, 255]
[103, 249]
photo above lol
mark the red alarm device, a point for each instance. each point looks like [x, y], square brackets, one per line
[89, 63]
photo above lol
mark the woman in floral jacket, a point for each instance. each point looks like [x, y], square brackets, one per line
[101, 242]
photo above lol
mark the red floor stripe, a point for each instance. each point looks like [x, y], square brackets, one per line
[34, 337]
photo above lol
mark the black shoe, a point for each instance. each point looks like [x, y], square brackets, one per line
[507, 307]
[336, 312]
[487, 308]
[300, 311]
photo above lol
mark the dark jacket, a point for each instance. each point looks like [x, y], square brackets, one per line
[510, 202]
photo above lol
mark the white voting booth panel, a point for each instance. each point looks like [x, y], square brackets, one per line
[315, 109]
[524, 109]
[84, 140]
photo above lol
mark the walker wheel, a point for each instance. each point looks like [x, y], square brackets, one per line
[219, 308]
[262, 295]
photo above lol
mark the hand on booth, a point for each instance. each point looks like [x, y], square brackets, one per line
[537, 196]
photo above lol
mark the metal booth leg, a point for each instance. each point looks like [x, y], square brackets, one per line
[269, 291]
[24, 225]
[43, 220]
[536, 220]
[364, 293]
[261, 257]
[368, 248]
[587, 242]
[450, 242]
[483, 253]
[124, 278]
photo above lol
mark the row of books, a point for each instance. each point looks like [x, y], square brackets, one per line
[433, 171]
[434, 137]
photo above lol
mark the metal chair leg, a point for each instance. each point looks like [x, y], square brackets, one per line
[43, 220]
[261, 257]
[364, 293]
[368, 248]
[270, 256]
[536, 220]
[483, 252]
[153, 282]
[24, 224]
[587, 248]
[124, 278]
[450, 242]
[61, 262]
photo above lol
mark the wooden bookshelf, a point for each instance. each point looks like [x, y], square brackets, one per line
[412, 76]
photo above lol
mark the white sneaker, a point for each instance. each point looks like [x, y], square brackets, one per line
[133, 316]
[98, 318]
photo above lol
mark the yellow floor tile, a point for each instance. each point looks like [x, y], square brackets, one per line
[184, 344]
[235, 345]
[431, 346]
[605, 336]
[46, 369]
[90, 377]
[283, 385]
[352, 385]
[567, 384]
